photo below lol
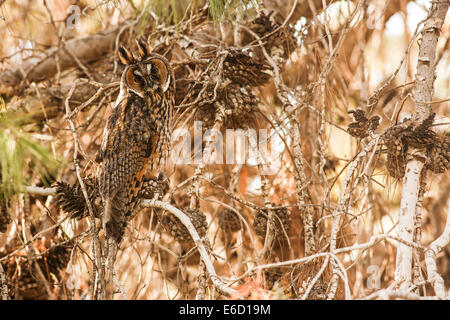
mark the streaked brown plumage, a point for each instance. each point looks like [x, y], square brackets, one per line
[136, 135]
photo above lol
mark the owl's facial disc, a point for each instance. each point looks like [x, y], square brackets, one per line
[147, 76]
[136, 80]
[158, 74]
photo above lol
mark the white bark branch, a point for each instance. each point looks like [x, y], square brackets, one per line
[222, 287]
[3, 284]
[430, 258]
[423, 93]
[405, 229]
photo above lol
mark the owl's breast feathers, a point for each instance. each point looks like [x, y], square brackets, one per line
[130, 142]
[133, 142]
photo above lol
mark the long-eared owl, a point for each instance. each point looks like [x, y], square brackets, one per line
[136, 136]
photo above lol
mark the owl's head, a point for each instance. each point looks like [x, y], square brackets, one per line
[146, 72]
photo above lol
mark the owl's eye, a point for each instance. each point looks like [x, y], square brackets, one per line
[138, 77]
[153, 71]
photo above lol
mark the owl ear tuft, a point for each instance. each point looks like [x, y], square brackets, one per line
[125, 56]
[143, 48]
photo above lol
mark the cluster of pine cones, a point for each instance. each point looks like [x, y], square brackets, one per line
[24, 283]
[282, 221]
[400, 137]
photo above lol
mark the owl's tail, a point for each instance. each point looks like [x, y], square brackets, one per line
[114, 222]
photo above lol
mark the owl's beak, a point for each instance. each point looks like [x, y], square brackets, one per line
[152, 86]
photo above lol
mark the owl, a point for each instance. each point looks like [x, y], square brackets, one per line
[136, 136]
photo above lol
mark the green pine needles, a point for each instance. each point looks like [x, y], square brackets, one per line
[22, 158]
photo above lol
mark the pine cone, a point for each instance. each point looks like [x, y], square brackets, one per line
[71, 198]
[179, 231]
[229, 221]
[272, 275]
[151, 187]
[439, 155]
[238, 103]
[245, 70]
[396, 156]
[23, 280]
[362, 126]
[400, 137]
[280, 42]
[281, 214]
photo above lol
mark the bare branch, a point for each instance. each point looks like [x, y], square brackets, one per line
[85, 49]
[430, 258]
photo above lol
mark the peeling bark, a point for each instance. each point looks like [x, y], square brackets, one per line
[406, 221]
[430, 258]
[423, 93]
[425, 76]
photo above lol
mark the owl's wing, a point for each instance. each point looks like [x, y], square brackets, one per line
[109, 127]
[126, 148]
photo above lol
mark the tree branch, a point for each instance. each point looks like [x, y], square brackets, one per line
[425, 76]
[430, 258]
[423, 93]
[84, 49]
[222, 287]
